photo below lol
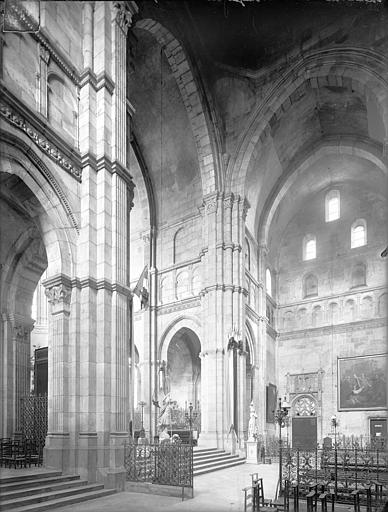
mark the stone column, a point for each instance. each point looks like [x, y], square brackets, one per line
[261, 354]
[58, 291]
[122, 196]
[222, 303]
[21, 339]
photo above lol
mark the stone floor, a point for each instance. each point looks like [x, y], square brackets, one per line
[220, 491]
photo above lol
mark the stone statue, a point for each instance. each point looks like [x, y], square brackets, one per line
[252, 426]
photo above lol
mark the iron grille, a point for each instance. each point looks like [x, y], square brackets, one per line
[34, 418]
[164, 464]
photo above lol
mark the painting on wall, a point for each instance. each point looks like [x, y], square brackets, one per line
[271, 403]
[362, 382]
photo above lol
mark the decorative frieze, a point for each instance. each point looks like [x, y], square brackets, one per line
[41, 142]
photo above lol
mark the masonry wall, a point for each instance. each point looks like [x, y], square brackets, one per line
[345, 318]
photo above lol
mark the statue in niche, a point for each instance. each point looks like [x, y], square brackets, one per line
[252, 426]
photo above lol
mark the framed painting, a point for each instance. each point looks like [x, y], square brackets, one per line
[362, 382]
[271, 403]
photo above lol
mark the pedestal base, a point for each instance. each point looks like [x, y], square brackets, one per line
[251, 452]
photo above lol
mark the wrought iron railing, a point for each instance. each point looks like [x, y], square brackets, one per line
[345, 470]
[163, 464]
[33, 418]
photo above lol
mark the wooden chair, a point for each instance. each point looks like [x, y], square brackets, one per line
[263, 502]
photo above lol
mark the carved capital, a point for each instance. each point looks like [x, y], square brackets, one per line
[44, 53]
[210, 203]
[228, 201]
[58, 294]
[123, 14]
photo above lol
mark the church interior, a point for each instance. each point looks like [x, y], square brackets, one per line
[193, 226]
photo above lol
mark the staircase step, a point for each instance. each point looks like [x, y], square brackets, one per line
[38, 482]
[30, 476]
[220, 455]
[49, 496]
[216, 462]
[204, 450]
[69, 500]
[44, 488]
[223, 465]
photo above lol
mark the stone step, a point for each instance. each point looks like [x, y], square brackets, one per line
[31, 476]
[42, 480]
[50, 496]
[62, 502]
[218, 467]
[43, 488]
[204, 450]
[217, 455]
[215, 462]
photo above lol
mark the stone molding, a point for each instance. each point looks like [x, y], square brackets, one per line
[51, 149]
[192, 302]
[44, 54]
[348, 327]
[33, 157]
[97, 81]
[224, 287]
[321, 299]
[100, 284]
[252, 315]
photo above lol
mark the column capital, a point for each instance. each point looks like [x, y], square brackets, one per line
[58, 292]
[123, 13]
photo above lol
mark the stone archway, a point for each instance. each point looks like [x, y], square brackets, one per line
[40, 235]
[183, 368]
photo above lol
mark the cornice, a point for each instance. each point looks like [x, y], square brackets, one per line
[37, 129]
[57, 56]
[100, 284]
[192, 302]
[178, 266]
[224, 287]
[373, 323]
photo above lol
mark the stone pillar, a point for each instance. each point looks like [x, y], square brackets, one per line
[261, 354]
[222, 304]
[58, 291]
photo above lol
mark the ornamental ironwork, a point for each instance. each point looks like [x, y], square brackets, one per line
[164, 464]
[341, 471]
[33, 418]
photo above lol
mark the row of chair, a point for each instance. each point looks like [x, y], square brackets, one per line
[314, 496]
[20, 452]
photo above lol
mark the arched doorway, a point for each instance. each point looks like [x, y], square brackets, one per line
[23, 260]
[304, 423]
[183, 370]
[180, 380]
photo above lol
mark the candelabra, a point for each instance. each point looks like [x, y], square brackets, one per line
[142, 431]
[190, 418]
[280, 417]
[334, 424]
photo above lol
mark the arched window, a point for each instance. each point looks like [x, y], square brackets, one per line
[309, 247]
[182, 285]
[268, 281]
[350, 310]
[366, 307]
[310, 285]
[317, 316]
[359, 275]
[332, 205]
[333, 312]
[358, 233]
[179, 246]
